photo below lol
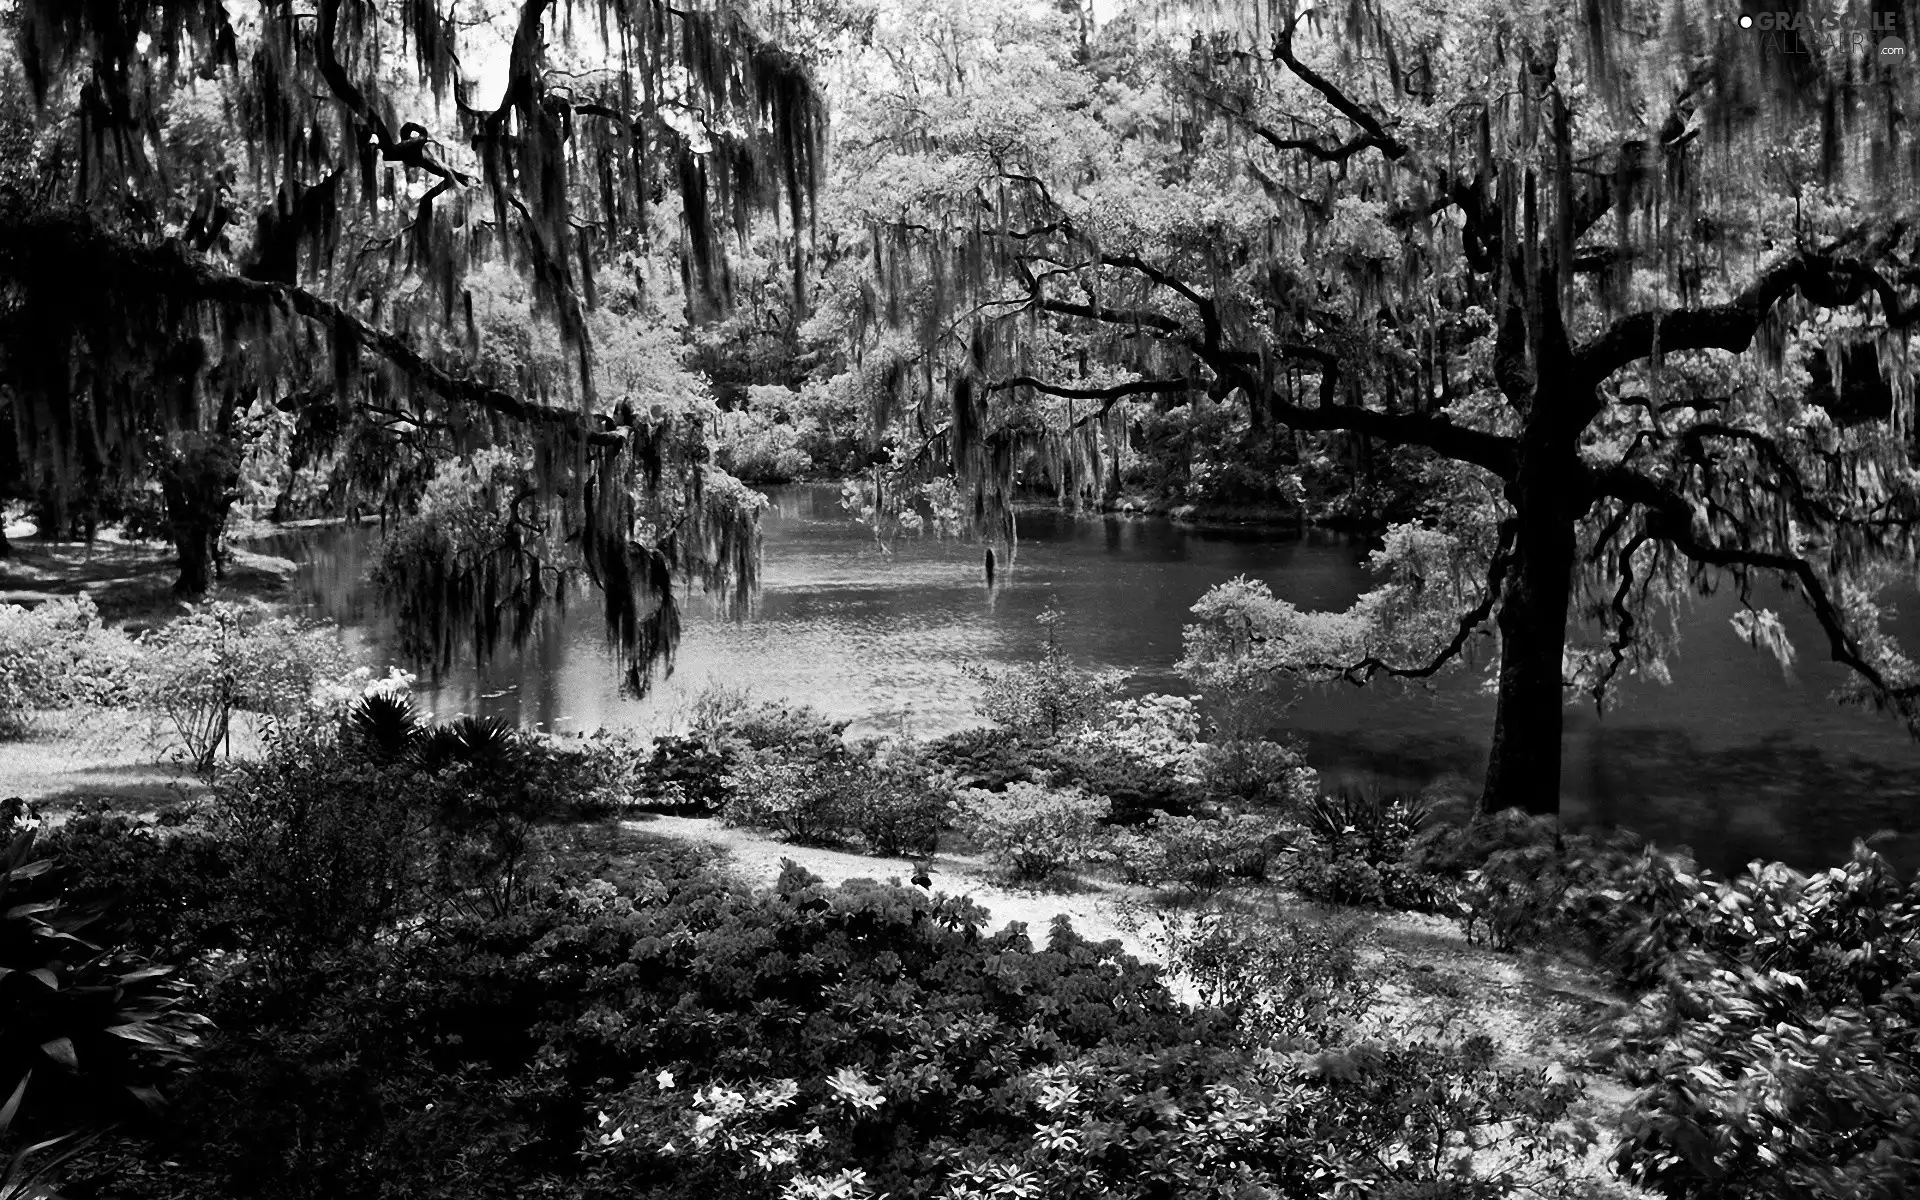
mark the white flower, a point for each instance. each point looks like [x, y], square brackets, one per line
[853, 1087]
[665, 1080]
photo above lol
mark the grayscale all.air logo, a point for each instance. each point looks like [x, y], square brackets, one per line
[1803, 33]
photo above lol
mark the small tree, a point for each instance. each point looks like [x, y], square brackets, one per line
[1041, 700]
[224, 657]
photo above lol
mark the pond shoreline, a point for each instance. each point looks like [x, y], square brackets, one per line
[1282, 519]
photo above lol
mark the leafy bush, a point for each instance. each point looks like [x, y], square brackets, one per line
[1257, 771]
[643, 1027]
[886, 796]
[58, 655]
[1046, 698]
[688, 774]
[757, 447]
[899, 804]
[1155, 732]
[807, 799]
[497, 767]
[163, 892]
[83, 1031]
[986, 758]
[1135, 792]
[1358, 851]
[1139, 753]
[1279, 978]
[685, 776]
[328, 847]
[224, 657]
[1197, 855]
[1034, 833]
[1782, 1058]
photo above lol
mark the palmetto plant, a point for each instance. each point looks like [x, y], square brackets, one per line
[83, 1030]
[474, 742]
[1364, 823]
[388, 725]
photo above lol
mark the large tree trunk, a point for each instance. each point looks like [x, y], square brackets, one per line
[197, 484]
[194, 547]
[1523, 768]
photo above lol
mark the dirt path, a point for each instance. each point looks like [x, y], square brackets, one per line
[1096, 912]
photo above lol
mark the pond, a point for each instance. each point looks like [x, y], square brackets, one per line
[1735, 758]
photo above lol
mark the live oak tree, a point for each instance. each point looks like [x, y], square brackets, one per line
[235, 208]
[1636, 278]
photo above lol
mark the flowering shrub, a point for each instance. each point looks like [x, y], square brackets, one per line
[1197, 855]
[643, 1026]
[59, 654]
[1291, 1120]
[884, 795]
[805, 799]
[898, 803]
[1154, 732]
[1256, 770]
[1033, 833]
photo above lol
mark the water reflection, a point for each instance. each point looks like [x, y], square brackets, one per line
[1734, 759]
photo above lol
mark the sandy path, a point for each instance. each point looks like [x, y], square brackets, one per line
[1096, 912]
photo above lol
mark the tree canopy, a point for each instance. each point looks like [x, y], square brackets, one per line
[229, 209]
[1627, 284]
[1637, 278]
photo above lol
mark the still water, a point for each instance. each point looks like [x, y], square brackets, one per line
[1735, 758]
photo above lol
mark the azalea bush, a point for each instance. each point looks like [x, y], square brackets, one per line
[985, 757]
[1033, 833]
[884, 796]
[1278, 977]
[688, 773]
[1198, 855]
[645, 1026]
[59, 654]
[1780, 1057]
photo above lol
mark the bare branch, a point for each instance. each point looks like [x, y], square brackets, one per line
[1390, 146]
